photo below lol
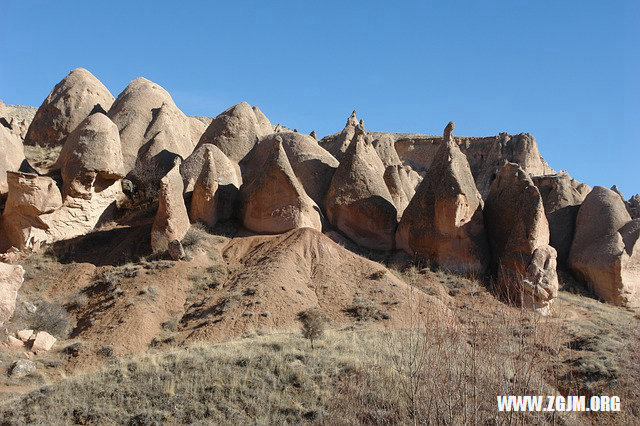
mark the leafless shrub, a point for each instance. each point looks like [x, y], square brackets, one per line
[364, 310]
[313, 324]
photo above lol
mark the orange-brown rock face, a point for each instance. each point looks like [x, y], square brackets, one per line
[11, 156]
[236, 130]
[11, 279]
[606, 250]
[275, 201]
[70, 102]
[204, 203]
[562, 197]
[358, 202]
[172, 221]
[444, 221]
[518, 232]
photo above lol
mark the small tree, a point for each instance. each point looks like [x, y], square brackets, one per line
[313, 324]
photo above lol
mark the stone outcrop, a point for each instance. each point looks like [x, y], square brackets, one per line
[152, 129]
[358, 202]
[444, 221]
[337, 144]
[236, 130]
[204, 202]
[275, 201]
[227, 171]
[400, 187]
[11, 156]
[70, 102]
[43, 342]
[484, 154]
[633, 206]
[21, 368]
[91, 159]
[312, 164]
[605, 252]
[385, 147]
[562, 197]
[11, 279]
[518, 231]
[171, 221]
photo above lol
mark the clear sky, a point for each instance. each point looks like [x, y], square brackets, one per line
[566, 71]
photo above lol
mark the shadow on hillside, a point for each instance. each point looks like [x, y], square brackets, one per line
[109, 247]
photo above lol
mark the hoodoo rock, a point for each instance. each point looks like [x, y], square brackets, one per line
[337, 144]
[151, 127]
[79, 94]
[236, 130]
[91, 159]
[171, 221]
[11, 156]
[11, 279]
[562, 197]
[312, 164]
[484, 154]
[633, 206]
[444, 221]
[524, 262]
[204, 203]
[358, 202]
[385, 148]
[400, 187]
[275, 201]
[605, 252]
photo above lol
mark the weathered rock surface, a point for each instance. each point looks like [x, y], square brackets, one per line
[337, 144]
[444, 220]
[70, 102]
[171, 221]
[151, 126]
[358, 202]
[605, 252]
[11, 279]
[633, 206]
[11, 156]
[43, 342]
[204, 202]
[227, 171]
[312, 164]
[91, 159]
[518, 232]
[275, 201]
[484, 154]
[24, 335]
[21, 368]
[562, 197]
[236, 130]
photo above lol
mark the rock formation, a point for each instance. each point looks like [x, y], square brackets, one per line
[400, 187]
[633, 206]
[11, 156]
[518, 232]
[605, 252]
[312, 164]
[152, 128]
[70, 102]
[562, 197]
[171, 221]
[358, 202]
[236, 130]
[11, 279]
[204, 203]
[444, 221]
[91, 159]
[484, 154]
[337, 144]
[275, 201]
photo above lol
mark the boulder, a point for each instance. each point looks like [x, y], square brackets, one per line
[236, 130]
[43, 342]
[562, 197]
[11, 279]
[12, 342]
[444, 221]
[176, 250]
[151, 126]
[70, 102]
[312, 164]
[605, 252]
[24, 335]
[171, 221]
[91, 159]
[633, 206]
[11, 156]
[337, 144]
[275, 201]
[21, 368]
[358, 201]
[524, 262]
[204, 202]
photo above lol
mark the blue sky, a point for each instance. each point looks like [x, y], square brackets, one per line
[565, 71]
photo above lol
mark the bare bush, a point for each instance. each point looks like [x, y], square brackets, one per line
[313, 324]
